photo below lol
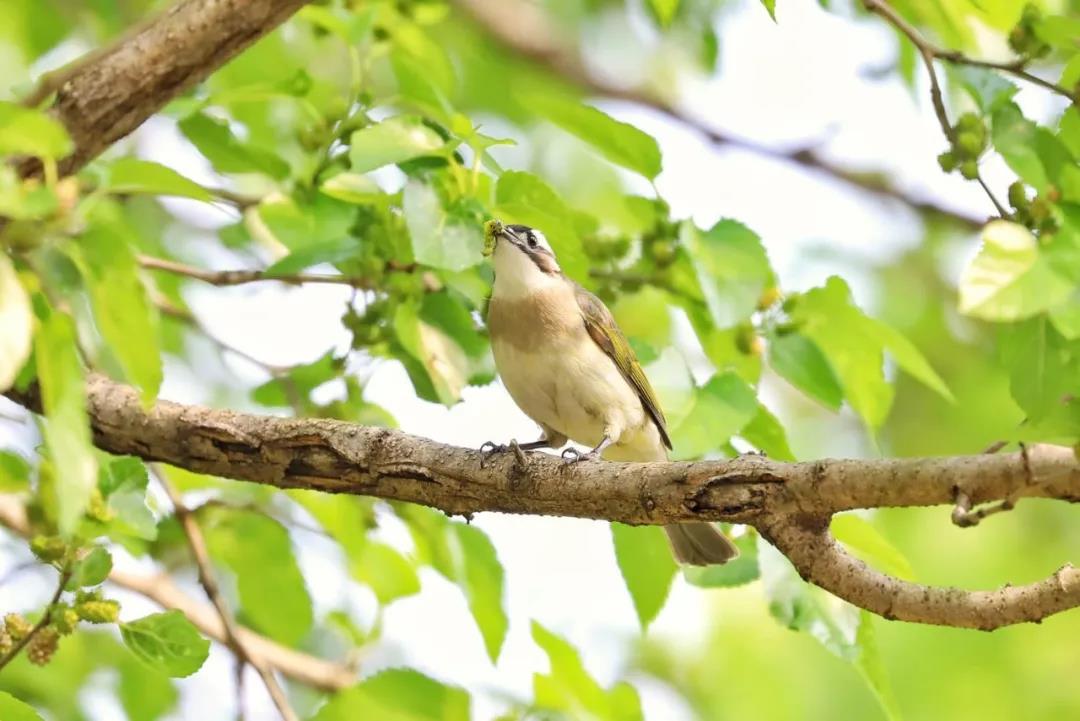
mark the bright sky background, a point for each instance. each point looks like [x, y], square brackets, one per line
[802, 81]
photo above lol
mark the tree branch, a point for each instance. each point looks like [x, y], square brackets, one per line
[162, 590]
[789, 502]
[108, 93]
[197, 544]
[522, 29]
[42, 622]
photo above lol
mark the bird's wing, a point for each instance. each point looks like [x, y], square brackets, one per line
[601, 326]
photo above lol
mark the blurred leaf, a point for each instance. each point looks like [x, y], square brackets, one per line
[770, 6]
[1066, 317]
[1014, 136]
[274, 598]
[621, 143]
[132, 175]
[646, 565]
[437, 239]
[525, 198]
[125, 317]
[16, 324]
[334, 250]
[228, 154]
[767, 434]
[872, 667]
[166, 641]
[732, 268]
[123, 482]
[439, 365]
[67, 431]
[388, 573]
[31, 132]
[664, 11]
[722, 407]
[92, 569]
[12, 709]
[394, 140]
[480, 575]
[352, 188]
[14, 472]
[145, 693]
[568, 687]
[868, 544]
[301, 380]
[798, 360]
[397, 695]
[1043, 370]
[1010, 279]
[739, 572]
[986, 87]
[445, 311]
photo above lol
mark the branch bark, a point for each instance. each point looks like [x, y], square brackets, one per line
[790, 503]
[110, 92]
[162, 590]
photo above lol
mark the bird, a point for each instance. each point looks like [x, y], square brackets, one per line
[568, 366]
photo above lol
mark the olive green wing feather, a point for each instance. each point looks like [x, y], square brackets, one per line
[602, 328]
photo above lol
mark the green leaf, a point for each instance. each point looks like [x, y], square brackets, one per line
[621, 143]
[722, 407]
[438, 240]
[125, 316]
[1014, 136]
[12, 709]
[67, 430]
[829, 318]
[16, 324]
[123, 482]
[986, 87]
[525, 198]
[439, 366]
[739, 572]
[647, 567]
[145, 693]
[334, 250]
[132, 175]
[731, 266]
[664, 11]
[352, 188]
[273, 595]
[168, 642]
[14, 472]
[868, 544]
[770, 7]
[907, 356]
[92, 569]
[1066, 317]
[389, 574]
[397, 695]
[872, 667]
[31, 132]
[1043, 369]
[767, 435]
[800, 361]
[1010, 279]
[480, 575]
[394, 140]
[228, 154]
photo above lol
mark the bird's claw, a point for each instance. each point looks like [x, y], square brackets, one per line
[573, 455]
[489, 449]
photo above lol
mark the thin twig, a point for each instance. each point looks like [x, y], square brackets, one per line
[42, 622]
[240, 277]
[965, 517]
[1015, 67]
[197, 544]
[928, 51]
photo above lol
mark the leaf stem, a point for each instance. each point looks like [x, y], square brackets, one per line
[65, 575]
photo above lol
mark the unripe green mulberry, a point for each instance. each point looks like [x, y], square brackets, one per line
[662, 252]
[947, 161]
[98, 611]
[17, 626]
[64, 619]
[48, 548]
[42, 646]
[1018, 195]
[969, 169]
[970, 144]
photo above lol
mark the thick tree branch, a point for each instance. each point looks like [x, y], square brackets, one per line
[522, 28]
[110, 92]
[162, 590]
[789, 502]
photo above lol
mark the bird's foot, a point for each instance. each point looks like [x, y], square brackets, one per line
[573, 455]
[490, 449]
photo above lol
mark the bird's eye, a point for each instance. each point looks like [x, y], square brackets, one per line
[532, 241]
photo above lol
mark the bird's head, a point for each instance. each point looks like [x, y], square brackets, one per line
[524, 261]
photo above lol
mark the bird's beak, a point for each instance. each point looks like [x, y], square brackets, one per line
[494, 230]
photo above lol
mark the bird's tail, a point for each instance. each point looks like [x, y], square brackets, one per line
[700, 544]
[694, 543]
